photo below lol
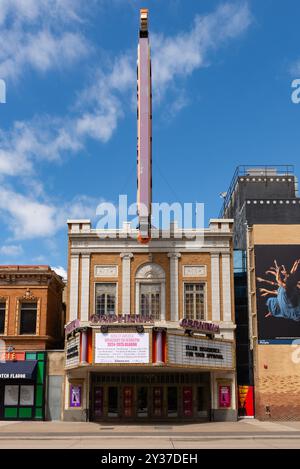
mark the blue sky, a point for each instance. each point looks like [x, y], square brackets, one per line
[222, 74]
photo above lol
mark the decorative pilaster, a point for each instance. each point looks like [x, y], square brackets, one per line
[174, 256]
[85, 287]
[74, 287]
[215, 286]
[84, 344]
[126, 259]
[159, 347]
[226, 287]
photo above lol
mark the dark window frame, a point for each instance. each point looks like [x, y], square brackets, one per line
[192, 294]
[3, 309]
[34, 307]
[107, 305]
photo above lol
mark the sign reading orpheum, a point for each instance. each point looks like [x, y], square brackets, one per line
[192, 351]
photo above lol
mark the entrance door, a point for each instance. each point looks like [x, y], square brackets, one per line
[98, 402]
[187, 401]
[142, 402]
[113, 401]
[172, 401]
[128, 410]
[202, 402]
[158, 401]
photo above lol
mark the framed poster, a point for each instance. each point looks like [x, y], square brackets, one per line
[246, 401]
[122, 347]
[224, 396]
[75, 395]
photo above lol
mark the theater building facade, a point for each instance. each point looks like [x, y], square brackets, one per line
[150, 328]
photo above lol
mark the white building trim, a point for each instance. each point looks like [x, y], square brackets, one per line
[215, 287]
[174, 285]
[85, 287]
[126, 259]
[74, 277]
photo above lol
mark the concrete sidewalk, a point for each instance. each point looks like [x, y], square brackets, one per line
[241, 428]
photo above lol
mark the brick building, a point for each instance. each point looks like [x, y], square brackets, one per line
[31, 315]
[31, 326]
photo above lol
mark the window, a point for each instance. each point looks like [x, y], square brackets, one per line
[2, 316]
[150, 300]
[11, 395]
[105, 299]
[194, 301]
[28, 318]
[19, 395]
[26, 395]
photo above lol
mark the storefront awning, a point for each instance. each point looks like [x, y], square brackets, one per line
[18, 370]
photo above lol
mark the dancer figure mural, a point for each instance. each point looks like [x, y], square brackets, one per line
[278, 291]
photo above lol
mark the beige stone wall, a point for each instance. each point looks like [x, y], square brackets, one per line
[56, 363]
[275, 234]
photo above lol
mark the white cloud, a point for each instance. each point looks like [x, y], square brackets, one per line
[61, 271]
[295, 69]
[39, 34]
[28, 11]
[11, 250]
[43, 138]
[95, 115]
[27, 217]
[104, 99]
[101, 105]
[180, 55]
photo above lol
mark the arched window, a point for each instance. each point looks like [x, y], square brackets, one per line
[150, 291]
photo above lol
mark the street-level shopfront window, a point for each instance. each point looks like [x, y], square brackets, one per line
[194, 301]
[18, 395]
[28, 318]
[2, 316]
[150, 300]
[105, 299]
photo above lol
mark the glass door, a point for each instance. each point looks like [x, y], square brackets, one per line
[172, 401]
[142, 401]
[113, 401]
[202, 409]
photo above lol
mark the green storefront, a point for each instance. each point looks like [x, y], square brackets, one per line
[22, 387]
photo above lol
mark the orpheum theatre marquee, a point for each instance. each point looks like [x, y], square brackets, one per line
[122, 340]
